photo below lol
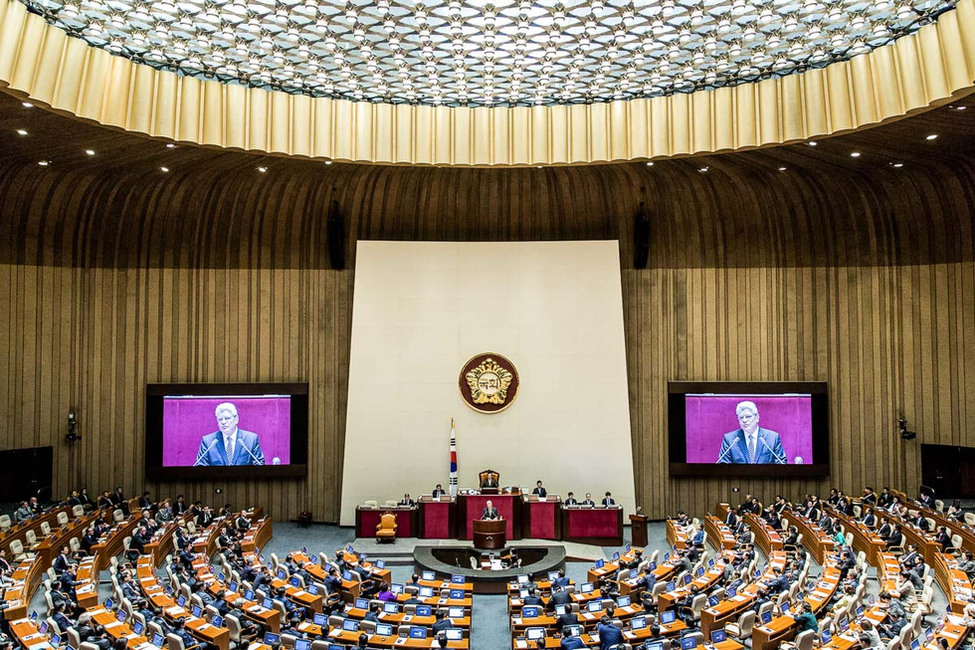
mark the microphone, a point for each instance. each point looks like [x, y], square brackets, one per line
[257, 461]
[200, 456]
[779, 460]
[730, 447]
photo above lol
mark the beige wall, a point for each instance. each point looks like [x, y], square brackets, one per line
[422, 309]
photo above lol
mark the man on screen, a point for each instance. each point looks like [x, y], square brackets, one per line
[229, 445]
[751, 444]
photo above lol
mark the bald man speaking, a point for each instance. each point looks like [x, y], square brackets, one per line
[751, 444]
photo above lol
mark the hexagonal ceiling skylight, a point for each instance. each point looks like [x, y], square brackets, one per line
[473, 53]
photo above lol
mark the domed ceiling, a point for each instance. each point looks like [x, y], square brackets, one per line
[501, 53]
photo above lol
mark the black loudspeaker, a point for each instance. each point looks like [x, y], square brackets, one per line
[641, 238]
[335, 236]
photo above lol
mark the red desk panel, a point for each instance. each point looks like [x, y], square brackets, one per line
[593, 525]
[543, 519]
[471, 506]
[437, 519]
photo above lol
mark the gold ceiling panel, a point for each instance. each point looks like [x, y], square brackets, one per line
[917, 71]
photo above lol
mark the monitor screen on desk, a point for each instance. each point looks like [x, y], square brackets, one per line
[655, 646]
[380, 564]
[158, 640]
[396, 588]
[269, 638]
[350, 625]
[616, 556]
[362, 603]
[535, 633]
[553, 576]
[455, 612]
[572, 630]
[529, 612]
[197, 611]
[717, 636]
[594, 606]
[667, 617]
[457, 594]
[623, 601]
[390, 608]
[417, 632]
[638, 622]
[561, 609]
[312, 589]
[713, 601]
[600, 563]
[302, 644]
[426, 592]
[321, 620]
[522, 578]
[587, 588]
[384, 629]
[457, 579]
[688, 642]
[216, 621]
[748, 428]
[766, 617]
[455, 634]
[429, 575]
[424, 610]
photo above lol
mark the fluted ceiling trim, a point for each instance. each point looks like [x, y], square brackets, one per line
[916, 72]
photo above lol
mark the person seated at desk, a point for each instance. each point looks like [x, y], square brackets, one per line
[896, 538]
[407, 501]
[561, 580]
[532, 598]
[571, 642]
[443, 623]
[610, 636]
[570, 500]
[560, 596]
[654, 637]
[608, 500]
[699, 535]
[490, 513]
[942, 537]
[438, 492]
[179, 629]
[806, 619]
[779, 583]
[967, 564]
[539, 490]
[568, 618]
[588, 501]
[490, 481]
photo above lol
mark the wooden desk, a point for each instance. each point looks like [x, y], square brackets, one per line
[766, 538]
[814, 538]
[704, 583]
[676, 536]
[257, 536]
[954, 582]
[599, 525]
[19, 530]
[713, 618]
[542, 519]
[864, 539]
[367, 519]
[437, 518]
[719, 534]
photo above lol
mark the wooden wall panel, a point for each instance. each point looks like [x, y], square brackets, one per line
[115, 275]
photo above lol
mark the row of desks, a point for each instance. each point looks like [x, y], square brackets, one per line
[525, 517]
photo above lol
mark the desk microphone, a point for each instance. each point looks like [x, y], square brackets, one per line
[730, 447]
[200, 456]
[780, 460]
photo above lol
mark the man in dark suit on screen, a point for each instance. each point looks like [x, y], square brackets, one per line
[229, 445]
[751, 444]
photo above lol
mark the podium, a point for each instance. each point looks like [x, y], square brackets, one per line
[638, 530]
[490, 535]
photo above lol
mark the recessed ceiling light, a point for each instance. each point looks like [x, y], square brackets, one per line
[43, 163]
[813, 143]
[164, 169]
[933, 136]
[170, 146]
[328, 162]
[960, 108]
[649, 163]
[703, 169]
[897, 165]
[21, 132]
[855, 154]
[262, 169]
[90, 152]
[782, 169]
[27, 105]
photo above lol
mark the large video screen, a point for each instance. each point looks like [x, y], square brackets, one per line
[762, 429]
[203, 430]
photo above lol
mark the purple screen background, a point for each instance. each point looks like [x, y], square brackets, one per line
[187, 419]
[709, 417]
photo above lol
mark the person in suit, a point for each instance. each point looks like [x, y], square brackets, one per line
[869, 519]
[105, 500]
[609, 635]
[74, 499]
[489, 481]
[751, 444]
[539, 490]
[438, 492]
[490, 513]
[570, 500]
[896, 538]
[407, 500]
[608, 500]
[559, 596]
[180, 507]
[532, 598]
[229, 445]
[145, 501]
[588, 500]
[63, 560]
[571, 642]
[568, 618]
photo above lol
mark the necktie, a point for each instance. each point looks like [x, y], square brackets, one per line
[751, 448]
[230, 451]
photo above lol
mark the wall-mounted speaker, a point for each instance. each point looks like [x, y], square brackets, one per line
[641, 238]
[335, 235]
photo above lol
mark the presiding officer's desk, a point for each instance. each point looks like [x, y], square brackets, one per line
[471, 506]
[367, 519]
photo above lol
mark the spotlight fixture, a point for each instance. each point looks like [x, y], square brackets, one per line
[164, 170]
[170, 146]
[896, 165]
[328, 162]
[90, 152]
[262, 169]
[649, 163]
[854, 154]
[933, 136]
[813, 143]
[27, 105]
[703, 170]
[960, 108]
[21, 132]
[43, 163]
[782, 169]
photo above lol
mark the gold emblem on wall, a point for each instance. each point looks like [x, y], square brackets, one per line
[488, 382]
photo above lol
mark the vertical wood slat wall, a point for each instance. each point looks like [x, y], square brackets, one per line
[114, 281]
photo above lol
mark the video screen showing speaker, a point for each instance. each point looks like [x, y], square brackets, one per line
[228, 430]
[764, 429]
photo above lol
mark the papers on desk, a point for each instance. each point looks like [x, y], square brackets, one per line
[521, 643]
[112, 625]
